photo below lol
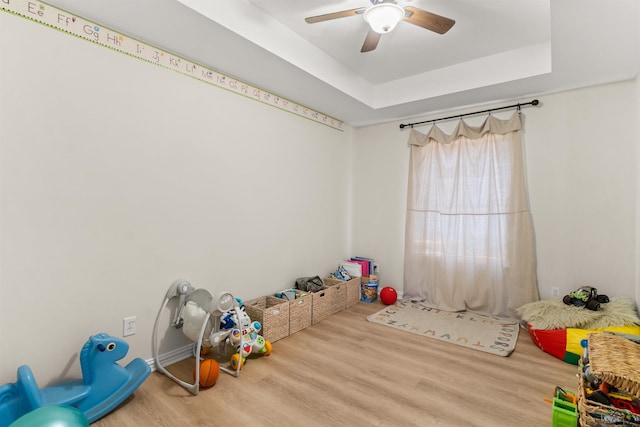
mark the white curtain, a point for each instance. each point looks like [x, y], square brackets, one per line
[469, 242]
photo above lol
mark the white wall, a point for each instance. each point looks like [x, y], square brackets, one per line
[581, 158]
[637, 192]
[582, 163]
[119, 177]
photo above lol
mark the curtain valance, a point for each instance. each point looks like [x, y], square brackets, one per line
[491, 124]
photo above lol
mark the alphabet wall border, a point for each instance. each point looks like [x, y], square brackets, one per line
[66, 22]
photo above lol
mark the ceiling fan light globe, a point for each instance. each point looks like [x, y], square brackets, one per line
[383, 17]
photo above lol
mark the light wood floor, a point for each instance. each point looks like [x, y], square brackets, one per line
[346, 371]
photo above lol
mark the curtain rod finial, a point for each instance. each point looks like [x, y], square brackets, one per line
[535, 102]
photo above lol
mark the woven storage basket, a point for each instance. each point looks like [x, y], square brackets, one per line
[339, 295]
[300, 310]
[352, 295]
[594, 414]
[321, 305]
[273, 313]
[615, 360]
[353, 291]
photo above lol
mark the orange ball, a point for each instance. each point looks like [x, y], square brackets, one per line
[209, 372]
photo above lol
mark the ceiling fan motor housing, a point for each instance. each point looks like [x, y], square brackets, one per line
[384, 16]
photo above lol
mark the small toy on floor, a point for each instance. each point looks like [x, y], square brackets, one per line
[388, 295]
[209, 373]
[245, 339]
[52, 416]
[586, 296]
[104, 385]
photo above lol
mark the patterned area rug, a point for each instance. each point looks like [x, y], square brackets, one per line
[466, 329]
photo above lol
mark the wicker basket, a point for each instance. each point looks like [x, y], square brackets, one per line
[273, 313]
[352, 286]
[338, 296]
[353, 291]
[594, 414]
[300, 313]
[321, 305]
[615, 360]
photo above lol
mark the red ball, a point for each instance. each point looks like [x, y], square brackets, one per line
[209, 372]
[388, 295]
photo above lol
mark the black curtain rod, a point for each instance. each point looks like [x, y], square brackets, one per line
[534, 102]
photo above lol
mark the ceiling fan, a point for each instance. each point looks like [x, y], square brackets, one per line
[384, 15]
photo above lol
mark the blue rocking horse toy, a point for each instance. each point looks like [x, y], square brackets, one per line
[104, 384]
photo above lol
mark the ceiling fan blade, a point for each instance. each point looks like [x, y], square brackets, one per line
[335, 15]
[371, 42]
[428, 20]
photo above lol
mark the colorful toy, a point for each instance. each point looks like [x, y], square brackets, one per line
[609, 395]
[52, 416]
[245, 339]
[104, 384]
[369, 290]
[586, 296]
[388, 295]
[565, 410]
[211, 321]
[209, 373]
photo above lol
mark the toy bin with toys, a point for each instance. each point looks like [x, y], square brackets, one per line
[321, 302]
[609, 381]
[564, 411]
[272, 313]
[300, 311]
[321, 297]
[300, 306]
[338, 296]
[352, 289]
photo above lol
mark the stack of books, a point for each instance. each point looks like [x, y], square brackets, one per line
[360, 267]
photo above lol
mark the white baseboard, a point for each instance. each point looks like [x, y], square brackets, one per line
[173, 356]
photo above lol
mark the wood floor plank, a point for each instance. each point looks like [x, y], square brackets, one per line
[346, 371]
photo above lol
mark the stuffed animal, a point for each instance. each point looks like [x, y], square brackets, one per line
[586, 296]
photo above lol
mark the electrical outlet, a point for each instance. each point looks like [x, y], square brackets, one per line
[555, 292]
[128, 326]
